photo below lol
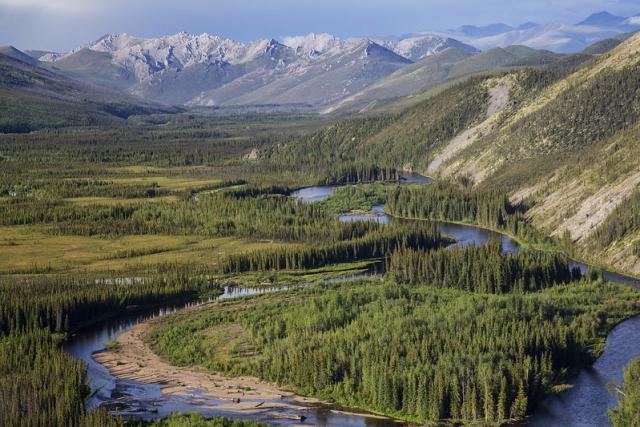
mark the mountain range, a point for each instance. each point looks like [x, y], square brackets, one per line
[211, 71]
[315, 72]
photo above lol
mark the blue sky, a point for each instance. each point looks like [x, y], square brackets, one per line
[63, 24]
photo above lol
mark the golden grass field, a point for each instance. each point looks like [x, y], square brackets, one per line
[29, 249]
[24, 249]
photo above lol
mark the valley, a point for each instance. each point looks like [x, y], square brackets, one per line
[433, 229]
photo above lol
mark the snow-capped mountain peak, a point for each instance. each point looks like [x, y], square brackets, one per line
[144, 57]
[416, 48]
[270, 48]
[113, 42]
[419, 46]
[313, 44]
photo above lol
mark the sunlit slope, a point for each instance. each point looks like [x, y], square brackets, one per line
[572, 147]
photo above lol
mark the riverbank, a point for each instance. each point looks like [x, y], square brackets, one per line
[129, 357]
[132, 359]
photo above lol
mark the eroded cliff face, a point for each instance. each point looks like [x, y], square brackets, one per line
[570, 148]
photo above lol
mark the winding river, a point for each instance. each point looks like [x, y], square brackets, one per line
[146, 401]
[585, 404]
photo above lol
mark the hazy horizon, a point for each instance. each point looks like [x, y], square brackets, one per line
[66, 24]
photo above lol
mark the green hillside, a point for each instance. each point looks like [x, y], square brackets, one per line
[32, 97]
[14, 53]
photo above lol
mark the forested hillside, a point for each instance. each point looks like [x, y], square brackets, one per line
[563, 137]
[571, 148]
[393, 142]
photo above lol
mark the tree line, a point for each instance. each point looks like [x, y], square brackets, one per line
[623, 221]
[481, 269]
[453, 201]
[255, 212]
[375, 244]
[582, 116]
[626, 414]
[61, 303]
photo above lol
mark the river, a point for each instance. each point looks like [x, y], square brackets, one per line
[584, 405]
[146, 401]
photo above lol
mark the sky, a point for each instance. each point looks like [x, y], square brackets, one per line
[60, 25]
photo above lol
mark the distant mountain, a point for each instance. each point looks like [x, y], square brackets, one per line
[527, 25]
[557, 37]
[453, 63]
[603, 19]
[316, 72]
[211, 71]
[14, 53]
[489, 30]
[419, 46]
[332, 76]
[408, 80]
[33, 97]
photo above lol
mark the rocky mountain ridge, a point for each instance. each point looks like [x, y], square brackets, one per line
[315, 72]
[212, 71]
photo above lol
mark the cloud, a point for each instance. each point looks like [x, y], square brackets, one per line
[47, 6]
